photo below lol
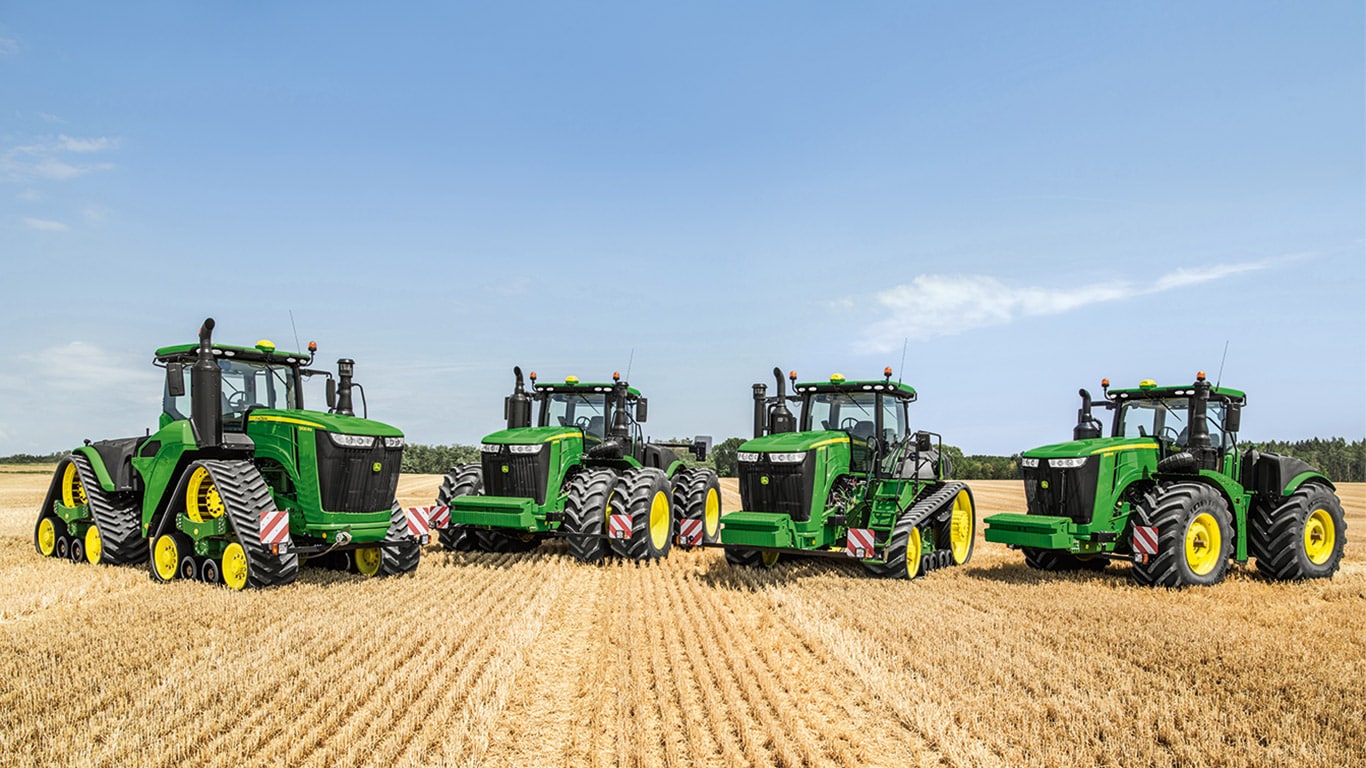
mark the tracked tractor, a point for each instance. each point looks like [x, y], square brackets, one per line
[584, 473]
[239, 483]
[1170, 489]
[847, 479]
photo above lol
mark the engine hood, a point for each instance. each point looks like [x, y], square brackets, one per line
[1099, 445]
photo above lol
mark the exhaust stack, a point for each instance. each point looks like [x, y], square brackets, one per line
[1197, 438]
[346, 368]
[780, 419]
[517, 406]
[206, 391]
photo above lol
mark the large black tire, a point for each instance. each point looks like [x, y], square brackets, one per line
[697, 496]
[1303, 538]
[648, 502]
[403, 558]
[463, 480]
[117, 516]
[903, 557]
[593, 494]
[748, 557]
[506, 541]
[1058, 560]
[1179, 511]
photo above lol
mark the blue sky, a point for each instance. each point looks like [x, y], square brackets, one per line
[1029, 196]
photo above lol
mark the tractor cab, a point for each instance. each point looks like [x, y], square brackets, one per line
[872, 414]
[252, 377]
[1179, 419]
[601, 411]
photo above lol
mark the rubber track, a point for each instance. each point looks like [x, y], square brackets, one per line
[462, 480]
[641, 484]
[690, 498]
[396, 561]
[931, 502]
[117, 516]
[245, 495]
[1169, 511]
[585, 513]
[1276, 536]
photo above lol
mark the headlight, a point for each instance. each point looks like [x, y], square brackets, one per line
[1029, 463]
[352, 441]
[1067, 463]
[490, 447]
[526, 448]
[746, 456]
[786, 458]
[393, 442]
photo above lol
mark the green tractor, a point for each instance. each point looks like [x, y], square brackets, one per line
[583, 473]
[1170, 489]
[853, 481]
[239, 483]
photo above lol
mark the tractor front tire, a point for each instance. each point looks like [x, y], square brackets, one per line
[647, 491]
[697, 496]
[1303, 538]
[463, 480]
[1194, 536]
[903, 554]
[746, 557]
[505, 541]
[593, 494]
[402, 558]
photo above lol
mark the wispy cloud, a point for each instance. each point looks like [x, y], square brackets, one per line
[44, 225]
[84, 145]
[48, 160]
[944, 305]
[30, 195]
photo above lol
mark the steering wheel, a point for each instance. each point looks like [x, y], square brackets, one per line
[1176, 436]
[582, 422]
[848, 423]
[237, 402]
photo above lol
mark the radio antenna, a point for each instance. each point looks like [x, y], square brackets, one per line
[1220, 377]
[296, 330]
[629, 362]
[905, 341]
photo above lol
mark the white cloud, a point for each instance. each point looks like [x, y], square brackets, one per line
[84, 145]
[45, 225]
[51, 118]
[945, 305]
[46, 160]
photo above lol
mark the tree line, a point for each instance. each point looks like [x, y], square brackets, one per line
[1340, 460]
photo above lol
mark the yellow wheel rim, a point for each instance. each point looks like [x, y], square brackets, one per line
[47, 537]
[659, 520]
[234, 568]
[367, 560]
[769, 557]
[202, 501]
[1320, 537]
[711, 513]
[73, 491]
[1203, 544]
[166, 557]
[94, 546]
[961, 525]
[914, 548]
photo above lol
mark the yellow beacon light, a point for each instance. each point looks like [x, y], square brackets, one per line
[265, 345]
[571, 379]
[1147, 384]
[837, 377]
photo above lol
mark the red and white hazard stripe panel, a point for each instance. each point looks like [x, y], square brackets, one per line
[441, 516]
[274, 526]
[1145, 540]
[417, 521]
[689, 532]
[859, 543]
[619, 527]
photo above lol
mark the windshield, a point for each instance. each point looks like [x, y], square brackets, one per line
[1168, 419]
[852, 412]
[570, 409]
[245, 385]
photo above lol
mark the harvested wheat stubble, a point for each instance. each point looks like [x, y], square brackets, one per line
[534, 659]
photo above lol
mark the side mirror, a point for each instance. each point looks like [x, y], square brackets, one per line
[175, 379]
[1233, 418]
[923, 442]
[331, 392]
[700, 446]
[641, 410]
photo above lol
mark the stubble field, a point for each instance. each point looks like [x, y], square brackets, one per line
[533, 659]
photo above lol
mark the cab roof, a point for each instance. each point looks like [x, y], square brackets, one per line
[895, 388]
[583, 387]
[259, 354]
[1155, 392]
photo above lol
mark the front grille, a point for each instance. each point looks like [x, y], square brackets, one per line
[766, 486]
[1067, 493]
[516, 475]
[347, 478]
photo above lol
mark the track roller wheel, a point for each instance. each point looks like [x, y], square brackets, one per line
[77, 549]
[208, 571]
[1194, 536]
[234, 567]
[189, 569]
[463, 480]
[367, 560]
[1303, 538]
[62, 547]
[167, 551]
[593, 494]
[45, 535]
[648, 493]
[94, 545]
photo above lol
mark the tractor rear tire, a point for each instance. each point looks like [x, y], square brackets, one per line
[593, 495]
[1194, 536]
[1058, 560]
[697, 496]
[648, 493]
[403, 558]
[1303, 538]
[463, 480]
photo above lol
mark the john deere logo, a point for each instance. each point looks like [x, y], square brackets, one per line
[1043, 483]
[763, 480]
[505, 469]
[376, 466]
